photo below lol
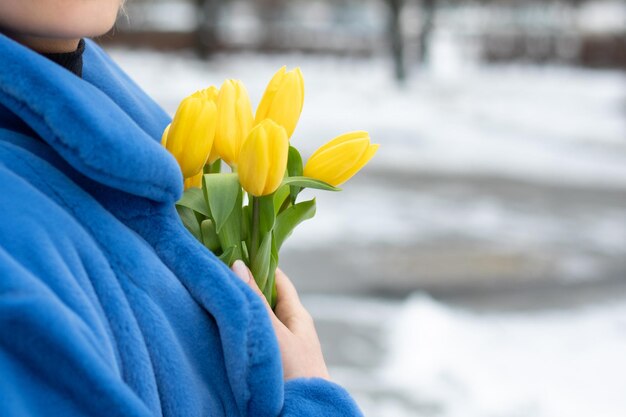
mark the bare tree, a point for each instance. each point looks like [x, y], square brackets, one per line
[207, 40]
[426, 29]
[396, 38]
[271, 12]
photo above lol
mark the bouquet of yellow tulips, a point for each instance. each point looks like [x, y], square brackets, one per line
[249, 211]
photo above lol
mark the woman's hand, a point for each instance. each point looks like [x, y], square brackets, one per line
[297, 338]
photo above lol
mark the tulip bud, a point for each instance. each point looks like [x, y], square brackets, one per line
[234, 120]
[283, 99]
[263, 158]
[211, 93]
[339, 159]
[190, 136]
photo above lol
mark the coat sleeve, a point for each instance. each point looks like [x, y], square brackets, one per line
[313, 397]
[50, 364]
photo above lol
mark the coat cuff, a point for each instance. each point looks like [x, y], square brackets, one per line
[312, 397]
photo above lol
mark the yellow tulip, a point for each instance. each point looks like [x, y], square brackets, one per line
[283, 99]
[190, 136]
[164, 136]
[263, 158]
[339, 159]
[211, 93]
[195, 181]
[234, 120]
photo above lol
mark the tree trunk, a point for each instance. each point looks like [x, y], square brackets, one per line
[397, 40]
[207, 41]
[428, 20]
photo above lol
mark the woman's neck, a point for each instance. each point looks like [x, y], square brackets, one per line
[47, 45]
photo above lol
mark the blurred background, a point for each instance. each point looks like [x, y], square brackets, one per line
[477, 267]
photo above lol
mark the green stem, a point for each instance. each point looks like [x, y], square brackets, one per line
[256, 219]
[214, 168]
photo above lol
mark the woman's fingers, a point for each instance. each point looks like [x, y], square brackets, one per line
[297, 339]
[307, 358]
[289, 314]
[289, 309]
[241, 270]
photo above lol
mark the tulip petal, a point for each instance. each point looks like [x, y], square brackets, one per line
[283, 99]
[365, 158]
[194, 181]
[254, 161]
[209, 93]
[224, 135]
[191, 134]
[234, 120]
[263, 158]
[278, 151]
[340, 158]
[164, 136]
[268, 96]
[287, 104]
[200, 137]
[333, 162]
[341, 139]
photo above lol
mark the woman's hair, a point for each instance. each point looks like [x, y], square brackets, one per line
[122, 10]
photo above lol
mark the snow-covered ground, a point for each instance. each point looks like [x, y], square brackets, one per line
[439, 360]
[526, 161]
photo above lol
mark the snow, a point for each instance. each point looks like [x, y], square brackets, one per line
[604, 16]
[545, 364]
[557, 125]
[397, 217]
[446, 361]
[547, 126]
[544, 125]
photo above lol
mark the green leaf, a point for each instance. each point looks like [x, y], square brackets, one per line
[307, 182]
[290, 218]
[294, 163]
[209, 235]
[267, 218]
[220, 191]
[228, 257]
[244, 252]
[230, 234]
[270, 287]
[274, 252]
[280, 196]
[246, 222]
[261, 262]
[193, 198]
[190, 221]
[294, 169]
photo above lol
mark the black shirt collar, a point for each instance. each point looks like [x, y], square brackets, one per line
[72, 61]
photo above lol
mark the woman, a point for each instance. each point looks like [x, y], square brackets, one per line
[108, 307]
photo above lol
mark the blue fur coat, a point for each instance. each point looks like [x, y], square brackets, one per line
[108, 307]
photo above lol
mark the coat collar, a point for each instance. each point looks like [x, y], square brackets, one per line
[106, 128]
[103, 125]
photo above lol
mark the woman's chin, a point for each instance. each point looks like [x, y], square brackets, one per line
[67, 19]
